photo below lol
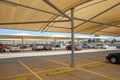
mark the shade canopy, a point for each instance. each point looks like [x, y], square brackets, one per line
[100, 17]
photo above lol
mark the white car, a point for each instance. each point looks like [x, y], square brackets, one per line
[14, 48]
[37, 47]
[101, 46]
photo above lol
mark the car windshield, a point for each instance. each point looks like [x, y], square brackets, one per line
[39, 44]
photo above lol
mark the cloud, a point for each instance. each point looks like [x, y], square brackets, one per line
[23, 34]
[58, 35]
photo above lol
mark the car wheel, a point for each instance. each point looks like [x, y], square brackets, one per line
[10, 50]
[67, 49]
[113, 60]
[3, 50]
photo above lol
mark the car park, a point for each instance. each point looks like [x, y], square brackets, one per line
[15, 48]
[113, 57]
[101, 46]
[76, 47]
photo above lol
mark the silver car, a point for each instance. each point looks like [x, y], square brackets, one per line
[101, 46]
[37, 47]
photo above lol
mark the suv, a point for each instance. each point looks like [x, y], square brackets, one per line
[3, 48]
[113, 57]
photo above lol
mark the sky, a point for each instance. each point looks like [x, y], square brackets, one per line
[11, 32]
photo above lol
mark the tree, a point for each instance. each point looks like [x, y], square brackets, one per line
[113, 41]
[97, 39]
[90, 40]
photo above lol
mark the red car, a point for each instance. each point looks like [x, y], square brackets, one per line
[76, 47]
[3, 47]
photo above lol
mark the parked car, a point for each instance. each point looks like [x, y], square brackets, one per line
[37, 47]
[76, 47]
[118, 46]
[3, 48]
[101, 46]
[88, 45]
[47, 47]
[22, 46]
[14, 48]
[84, 46]
[113, 57]
[55, 45]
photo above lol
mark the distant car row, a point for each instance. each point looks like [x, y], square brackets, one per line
[11, 48]
[95, 46]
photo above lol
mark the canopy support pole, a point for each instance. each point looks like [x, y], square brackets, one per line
[55, 42]
[22, 42]
[78, 41]
[72, 38]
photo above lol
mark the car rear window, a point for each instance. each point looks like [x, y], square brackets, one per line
[99, 44]
[1, 44]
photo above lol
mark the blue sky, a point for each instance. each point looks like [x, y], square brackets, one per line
[10, 31]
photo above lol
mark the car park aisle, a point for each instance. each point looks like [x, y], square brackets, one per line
[12, 69]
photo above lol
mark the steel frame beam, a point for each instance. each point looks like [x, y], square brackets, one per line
[104, 28]
[66, 11]
[99, 14]
[98, 30]
[100, 23]
[57, 9]
[33, 22]
[59, 27]
[81, 3]
[10, 2]
[110, 32]
[96, 22]
[29, 7]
